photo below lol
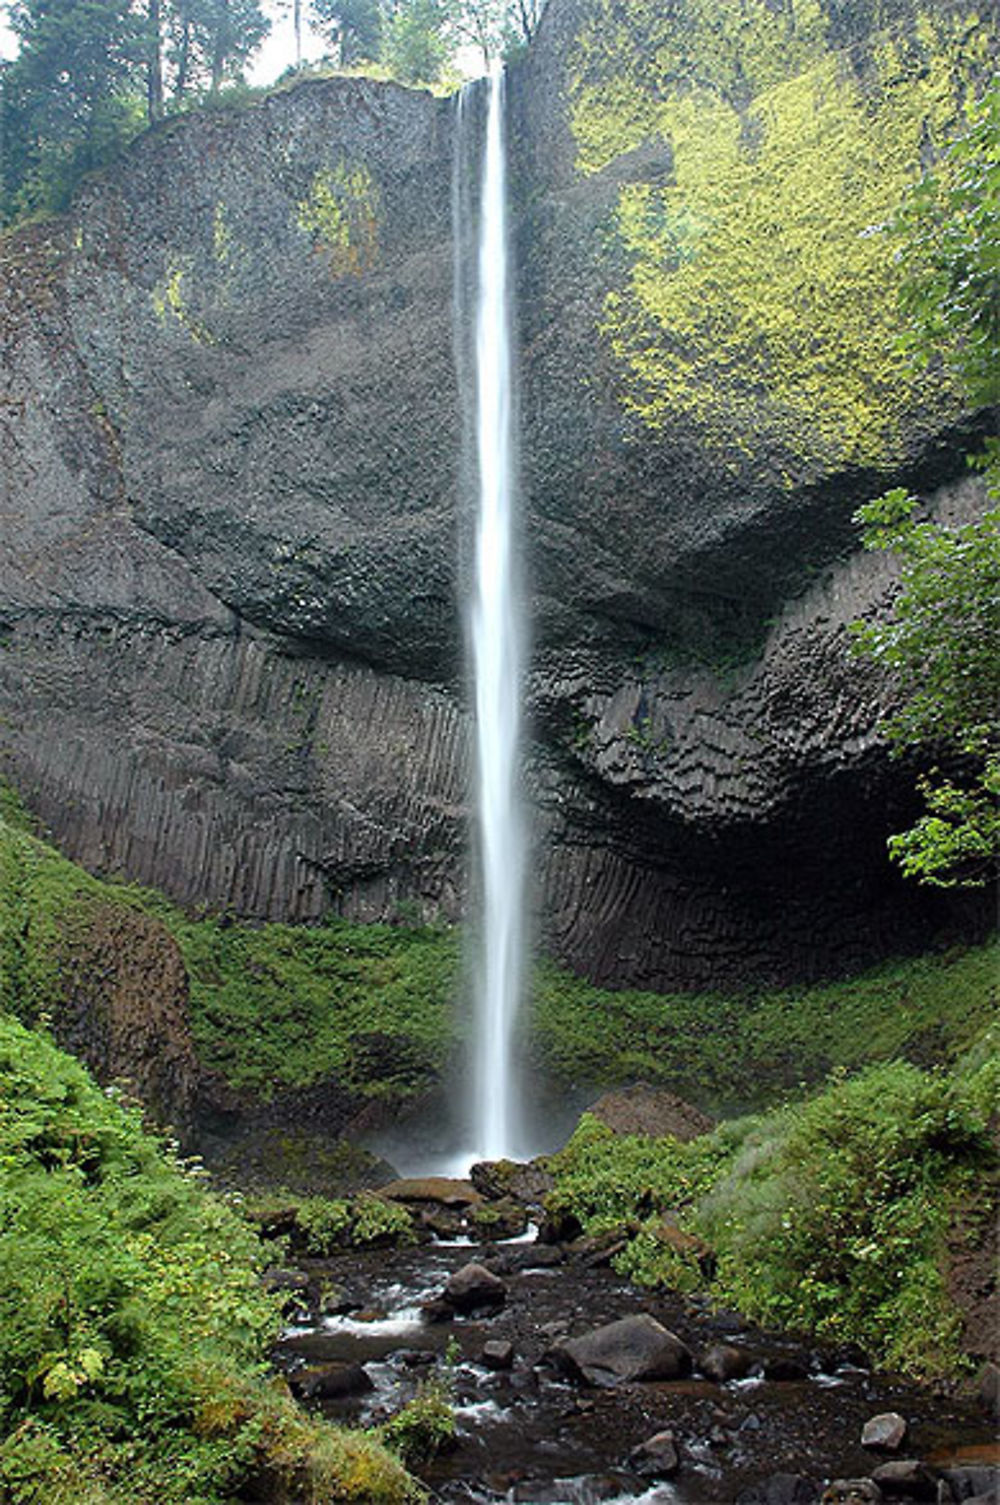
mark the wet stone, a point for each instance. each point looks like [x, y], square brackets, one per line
[784, 1370]
[657, 1457]
[725, 1361]
[906, 1476]
[416, 1358]
[437, 1310]
[473, 1288]
[779, 1489]
[331, 1382]
[537, 1257]
[498, 1354]
[633, 1348]
[970, 1482]
[884, 1431]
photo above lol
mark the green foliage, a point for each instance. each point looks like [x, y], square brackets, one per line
[606, 1179]
[341, 212]
[827, 1216]
[425, 1426]
[288, 1005]
[413, 45]
[733, 1053]
[90, 73]
[833, 1216]
[351, 26]
[940, 641]
[133, 1329]
[950, 231]
[277, 1006]
[328, 1224]
[755, 294]
[940, 645]
[271, 1005]
[67, 103]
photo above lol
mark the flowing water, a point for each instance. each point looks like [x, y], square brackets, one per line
[496, 638]
[529, 1434]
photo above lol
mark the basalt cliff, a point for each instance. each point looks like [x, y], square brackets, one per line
[235, 520]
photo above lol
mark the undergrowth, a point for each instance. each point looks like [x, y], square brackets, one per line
[278, 1006]
[730, 1054]
[828, 1215]
[271, 1005]
[133, 1327]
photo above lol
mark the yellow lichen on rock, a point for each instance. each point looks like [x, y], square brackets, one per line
[169, 301]
[760, 293]
[341, 213]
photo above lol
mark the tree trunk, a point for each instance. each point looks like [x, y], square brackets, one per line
[154, 66]
[183, 57]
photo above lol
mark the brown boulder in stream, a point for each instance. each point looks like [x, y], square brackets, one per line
[657, 1457]
[474, 1288]
[448, 1190]
[886, 1431]
[633, 1348]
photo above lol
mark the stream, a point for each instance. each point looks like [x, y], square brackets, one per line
[530, 1433]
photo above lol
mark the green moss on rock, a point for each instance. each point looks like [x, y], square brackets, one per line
[759, 292]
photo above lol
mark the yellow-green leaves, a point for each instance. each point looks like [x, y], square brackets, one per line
[340, 211]
[761, 293]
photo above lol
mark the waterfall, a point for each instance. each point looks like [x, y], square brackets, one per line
[496, 642]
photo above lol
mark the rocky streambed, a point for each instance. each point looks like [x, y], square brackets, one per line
[571, 1385]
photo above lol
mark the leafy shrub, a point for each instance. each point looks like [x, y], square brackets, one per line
[833, 1216]
[133, 1328]
[828, 1215]
[425, 1426]
[608, 1180]
[326, 1224]
[323, 1224]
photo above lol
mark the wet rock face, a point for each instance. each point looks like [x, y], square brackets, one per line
[229, 545]
[125, 1009]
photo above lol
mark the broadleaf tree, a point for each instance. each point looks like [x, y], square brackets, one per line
[941, 641]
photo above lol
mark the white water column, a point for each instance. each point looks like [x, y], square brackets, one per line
[497, 664]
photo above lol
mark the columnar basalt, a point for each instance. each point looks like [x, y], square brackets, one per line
[231, 657]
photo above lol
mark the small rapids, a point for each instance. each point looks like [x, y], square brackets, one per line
[529, 1434]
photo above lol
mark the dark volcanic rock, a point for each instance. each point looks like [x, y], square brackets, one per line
[724, 1361]
[234, 534]
[906, 1476]
[633, 1348]
[474, 1288]
[332, 1382]
[779, 1489]
[125, 1008]
[498, 1220]
[657, 1457]
[651, 1110]
[446, 1190]
[499, 1180]
[884, 1431]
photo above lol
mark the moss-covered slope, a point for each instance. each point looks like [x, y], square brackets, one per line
[757, 296]
[374, 1009]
